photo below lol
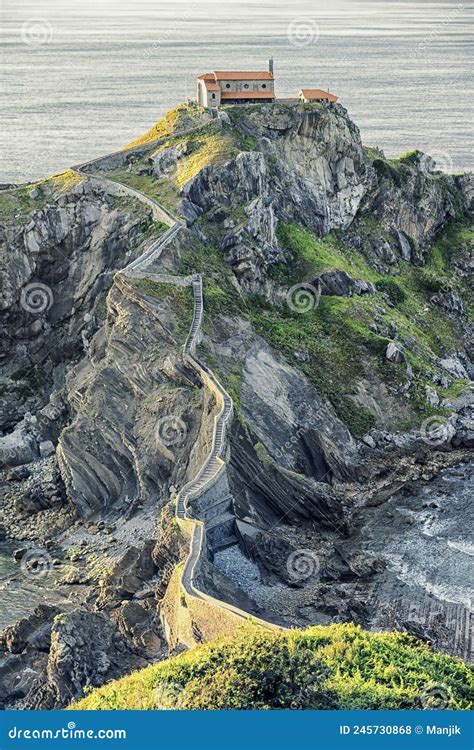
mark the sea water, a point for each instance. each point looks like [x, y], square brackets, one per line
[83, 79]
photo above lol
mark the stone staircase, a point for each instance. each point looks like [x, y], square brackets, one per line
[215, 529]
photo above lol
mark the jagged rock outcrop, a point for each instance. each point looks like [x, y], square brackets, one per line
[135, 387]
[311, 169]
[341, 284]
[56, 267]
[262, 487]
[25, 648]
[86, 650]
[412, 205]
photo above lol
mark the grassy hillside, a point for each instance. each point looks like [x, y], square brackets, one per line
[181, 117]
[338, 336]
[335, 667]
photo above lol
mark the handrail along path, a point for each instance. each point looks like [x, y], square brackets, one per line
[214, 464]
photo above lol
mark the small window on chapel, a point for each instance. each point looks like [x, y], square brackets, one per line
[227, 85]
[246, 85]
[264, 85]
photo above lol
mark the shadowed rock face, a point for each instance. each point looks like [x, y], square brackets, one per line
[112, 452]
[86, 649]
[55, 272]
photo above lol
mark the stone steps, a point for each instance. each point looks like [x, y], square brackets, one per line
[219, 519]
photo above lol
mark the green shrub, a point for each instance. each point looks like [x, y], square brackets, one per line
[428, 280]
[334, 667]
[393, 290]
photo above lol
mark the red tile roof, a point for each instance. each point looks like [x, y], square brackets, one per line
[316, 94]
[206, 77]
[210, 86]
[248, 94]
[243, 75]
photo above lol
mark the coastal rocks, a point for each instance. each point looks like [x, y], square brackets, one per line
[46, 448]
[317, 152]
[163, 161]
[32, 632]
[86, 651]
[140, 624]
[43, 489]
[128, 576]
[17, 448]
[25, 646]
[311, 170]
[298, 430]
[261, 488]
[410, 203]
[449, 301]
[454, 367]
[404, 244]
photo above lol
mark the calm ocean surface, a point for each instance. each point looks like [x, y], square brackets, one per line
[83, 78]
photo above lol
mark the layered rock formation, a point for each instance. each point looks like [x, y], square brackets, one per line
[335, 285]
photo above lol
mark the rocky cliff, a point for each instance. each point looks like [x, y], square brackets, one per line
[337, 306]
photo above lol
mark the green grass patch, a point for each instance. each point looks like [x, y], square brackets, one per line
[182, 117]
[337, 336]
[308, 256]
[394, 291]
[455, 239]
[334, 667]
[209, 148]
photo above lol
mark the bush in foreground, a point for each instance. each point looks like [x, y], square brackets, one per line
[335, 667]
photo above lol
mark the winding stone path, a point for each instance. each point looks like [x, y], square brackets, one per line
[214, 464]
